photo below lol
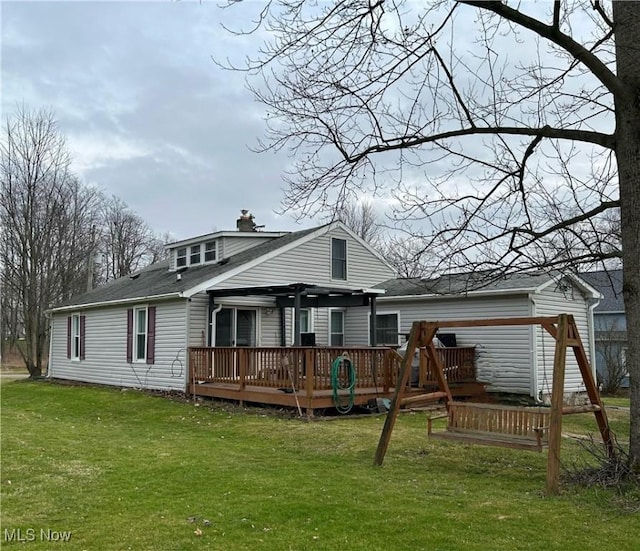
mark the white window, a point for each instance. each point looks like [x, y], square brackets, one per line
[194, 255]
[140, 334]
[338, 258]
[181, 257]
[75, 337]
[387, 328]
[336, 337]
[210, 251]
[306, 322]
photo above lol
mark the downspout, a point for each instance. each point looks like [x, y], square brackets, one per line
[533, 333]
[213, 310]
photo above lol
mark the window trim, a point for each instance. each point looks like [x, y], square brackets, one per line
[310, 316]
[193, 252]
[179, 256]
[136, 334]
[345, 259]
[384, 313]
[206, 250]
[331, 333]
[198, 250]
[150, 334]
[76, 338]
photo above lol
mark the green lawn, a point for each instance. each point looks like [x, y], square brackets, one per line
[125, 470]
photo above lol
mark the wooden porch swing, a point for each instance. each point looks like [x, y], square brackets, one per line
[534, 429]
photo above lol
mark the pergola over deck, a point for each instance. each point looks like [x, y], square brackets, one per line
[300, 375]
[305, 295]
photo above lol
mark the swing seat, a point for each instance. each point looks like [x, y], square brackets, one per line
[524, 428]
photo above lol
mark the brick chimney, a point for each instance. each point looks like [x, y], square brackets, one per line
[245, 222]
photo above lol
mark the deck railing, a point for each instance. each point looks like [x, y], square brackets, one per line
[302, 367]
[309, 368]
[458, 363]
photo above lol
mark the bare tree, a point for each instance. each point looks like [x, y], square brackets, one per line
[157, 250]
[505, 130]
[127, 243]
[407, 256]
[361, 217]
[45, 214]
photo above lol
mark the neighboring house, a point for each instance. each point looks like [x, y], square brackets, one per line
[135, 331]
[610, 329]
[514, 359]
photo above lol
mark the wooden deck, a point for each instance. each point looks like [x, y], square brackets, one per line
[301, 376]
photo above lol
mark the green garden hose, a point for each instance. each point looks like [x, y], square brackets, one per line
[337, 386]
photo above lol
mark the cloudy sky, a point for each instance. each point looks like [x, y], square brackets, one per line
[147, 114]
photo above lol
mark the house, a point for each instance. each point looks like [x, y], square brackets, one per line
[610, 329]
[264, 316]
[224, 289]
[517, 360]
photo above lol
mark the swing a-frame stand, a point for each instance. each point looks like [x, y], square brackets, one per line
[502, 425]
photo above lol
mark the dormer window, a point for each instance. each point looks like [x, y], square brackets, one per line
[194, 256]
[181, 257]
[210, 251]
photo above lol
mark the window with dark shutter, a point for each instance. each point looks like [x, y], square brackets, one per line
[82, 336]
[151, 334]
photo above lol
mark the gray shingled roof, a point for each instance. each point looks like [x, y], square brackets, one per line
[460, 284]
[157, 280]
[609, 283]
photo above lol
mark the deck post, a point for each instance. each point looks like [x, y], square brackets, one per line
[309, 363]
[296, 318]
[557, 396]
[242, 364]
[373, 323]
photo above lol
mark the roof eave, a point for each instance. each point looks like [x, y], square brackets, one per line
[480, 293]
[117, 302]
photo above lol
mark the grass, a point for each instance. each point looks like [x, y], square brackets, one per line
[127, 470]
[616, 401]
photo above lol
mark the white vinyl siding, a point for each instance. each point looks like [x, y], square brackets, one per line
[231, 245]
[198, 324]
[554, 300]
[269, 326]
[504, 353]
[106, 337]
[310, 262]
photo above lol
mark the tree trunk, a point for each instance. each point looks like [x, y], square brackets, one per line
[627, 29]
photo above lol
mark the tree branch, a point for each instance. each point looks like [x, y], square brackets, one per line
[598, 138]
[577, 50]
